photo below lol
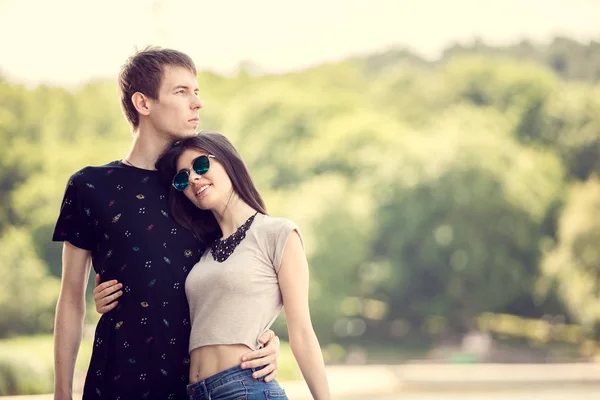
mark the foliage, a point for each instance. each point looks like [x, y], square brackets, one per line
[427, 193]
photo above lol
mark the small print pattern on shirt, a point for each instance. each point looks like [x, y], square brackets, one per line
[121, 215]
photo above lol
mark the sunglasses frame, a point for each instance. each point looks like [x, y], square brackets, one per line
[187, 172]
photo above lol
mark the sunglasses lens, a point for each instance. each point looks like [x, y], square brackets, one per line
[201, 165]
[181, 181]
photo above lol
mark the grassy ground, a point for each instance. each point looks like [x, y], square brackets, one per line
[40, 348]
[23, 358]
[26, 364]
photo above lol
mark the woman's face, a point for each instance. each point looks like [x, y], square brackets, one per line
[209, 191]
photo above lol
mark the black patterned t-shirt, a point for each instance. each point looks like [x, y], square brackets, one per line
[121, 215]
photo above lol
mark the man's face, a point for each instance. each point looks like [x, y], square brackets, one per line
[175, 113]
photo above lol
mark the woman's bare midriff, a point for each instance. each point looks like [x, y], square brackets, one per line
[206, 361]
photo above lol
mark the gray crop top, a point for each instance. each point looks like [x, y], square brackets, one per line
[235, 301]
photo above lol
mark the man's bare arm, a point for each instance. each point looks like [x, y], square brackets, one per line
[70, 312]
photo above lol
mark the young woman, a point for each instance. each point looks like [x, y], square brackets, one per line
[254, 264]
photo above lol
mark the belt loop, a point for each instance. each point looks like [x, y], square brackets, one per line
[205, 390]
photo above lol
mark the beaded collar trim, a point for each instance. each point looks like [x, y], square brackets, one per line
[222, 249]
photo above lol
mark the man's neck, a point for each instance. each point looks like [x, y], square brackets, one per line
[146, 147]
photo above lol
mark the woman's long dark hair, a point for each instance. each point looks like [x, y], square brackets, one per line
[202, 223]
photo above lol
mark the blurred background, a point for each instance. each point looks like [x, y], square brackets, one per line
[441, 158]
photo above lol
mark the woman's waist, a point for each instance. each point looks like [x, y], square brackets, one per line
[206, 361]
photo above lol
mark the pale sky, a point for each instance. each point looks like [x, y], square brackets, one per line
[65, 42]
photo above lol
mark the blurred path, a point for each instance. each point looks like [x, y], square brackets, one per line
[437, 381]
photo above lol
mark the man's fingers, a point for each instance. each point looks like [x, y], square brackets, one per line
[271, 376]
[97, 280]
[266, 337]
[259, 362]
[254, 355]
[260, 373]
[266, 356]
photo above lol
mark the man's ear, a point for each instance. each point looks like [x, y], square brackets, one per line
[141, 103]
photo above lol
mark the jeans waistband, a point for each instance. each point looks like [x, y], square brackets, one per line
[232, 374]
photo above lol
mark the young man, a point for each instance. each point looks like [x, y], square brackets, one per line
[116, 217]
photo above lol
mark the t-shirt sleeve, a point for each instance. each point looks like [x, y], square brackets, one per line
[279, 238]
[72, 225]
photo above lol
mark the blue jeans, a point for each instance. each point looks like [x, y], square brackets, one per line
[235, 384]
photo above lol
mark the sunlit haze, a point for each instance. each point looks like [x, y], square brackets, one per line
[64, 42]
